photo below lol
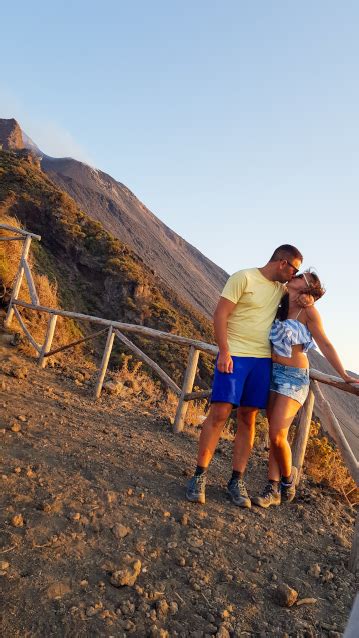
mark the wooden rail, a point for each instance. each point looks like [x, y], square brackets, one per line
[126, 327]
[186, 394]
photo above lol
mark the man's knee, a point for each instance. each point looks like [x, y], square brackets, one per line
[247, 418]
[219, 414]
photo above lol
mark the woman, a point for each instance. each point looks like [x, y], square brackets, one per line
[292, 333]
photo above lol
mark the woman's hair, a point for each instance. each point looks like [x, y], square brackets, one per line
[315, 290]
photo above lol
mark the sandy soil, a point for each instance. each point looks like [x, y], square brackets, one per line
[96, 538]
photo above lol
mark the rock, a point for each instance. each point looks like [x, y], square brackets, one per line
[114, 387]
[126, 575]
[111, 497]
[194, 541]
[4, 565]
[306, 601]
[162, 608]
[17, 520]
[285, 596]
[16, 427]
[222, 632]
[327, 576]
[314, 570]
[58, 589]
[173, 608]
[75, 516]
[20, 373]
[22, 418]
[156, 632]
[184, 519]
[128, 608]
[120, 531]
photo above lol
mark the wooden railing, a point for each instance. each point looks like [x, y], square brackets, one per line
[185, 394]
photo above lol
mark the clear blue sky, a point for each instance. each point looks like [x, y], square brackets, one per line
[237, 123]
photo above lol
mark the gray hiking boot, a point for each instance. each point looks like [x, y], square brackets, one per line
[288, 490]
[238, 494]
[269, 496]
[196, 489]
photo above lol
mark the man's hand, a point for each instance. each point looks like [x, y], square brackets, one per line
[225, 362]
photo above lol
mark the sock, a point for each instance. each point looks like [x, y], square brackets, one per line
[236, 476]
[287, 480]
[200, 470]
[275, 484]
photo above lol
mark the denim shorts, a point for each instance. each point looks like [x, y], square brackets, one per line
[292, 382]
[246, 386]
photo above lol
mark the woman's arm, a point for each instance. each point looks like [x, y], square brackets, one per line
[315, 326]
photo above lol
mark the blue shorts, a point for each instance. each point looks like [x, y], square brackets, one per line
[247, 385]
[291, 382]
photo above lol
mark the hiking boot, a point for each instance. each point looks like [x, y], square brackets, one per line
[269, 497]
[238, 494]
[288, 490]
[196, 489]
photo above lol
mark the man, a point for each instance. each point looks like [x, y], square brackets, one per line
[242, 321]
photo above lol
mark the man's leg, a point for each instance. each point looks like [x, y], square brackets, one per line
[211, 431]
[243, 442]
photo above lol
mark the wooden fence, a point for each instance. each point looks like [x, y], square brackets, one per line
[185, 394]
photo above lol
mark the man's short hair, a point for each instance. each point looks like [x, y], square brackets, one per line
[286, 251]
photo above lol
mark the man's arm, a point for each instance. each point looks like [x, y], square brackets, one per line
[220, 320]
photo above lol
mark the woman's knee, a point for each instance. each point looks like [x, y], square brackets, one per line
[278, 439]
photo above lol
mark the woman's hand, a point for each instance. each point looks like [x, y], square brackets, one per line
[348, 379]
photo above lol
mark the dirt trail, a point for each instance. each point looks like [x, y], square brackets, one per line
[92, 497]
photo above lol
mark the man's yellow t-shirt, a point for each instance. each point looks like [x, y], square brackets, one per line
[257, 299]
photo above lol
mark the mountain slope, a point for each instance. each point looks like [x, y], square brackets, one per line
[96, 273]
[179, 264]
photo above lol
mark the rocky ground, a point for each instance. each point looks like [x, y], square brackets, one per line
[97, 540]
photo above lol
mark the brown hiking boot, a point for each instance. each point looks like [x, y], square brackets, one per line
[269, 496]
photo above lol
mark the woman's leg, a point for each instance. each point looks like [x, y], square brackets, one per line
[281, 417]
[273, 467]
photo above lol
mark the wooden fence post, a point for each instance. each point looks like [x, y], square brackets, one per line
[354, 554]
[186, 388]
[17, 286]
[48, 340]
[302, 433]
[104, 362]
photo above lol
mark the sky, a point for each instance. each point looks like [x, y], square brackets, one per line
[236, 122]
